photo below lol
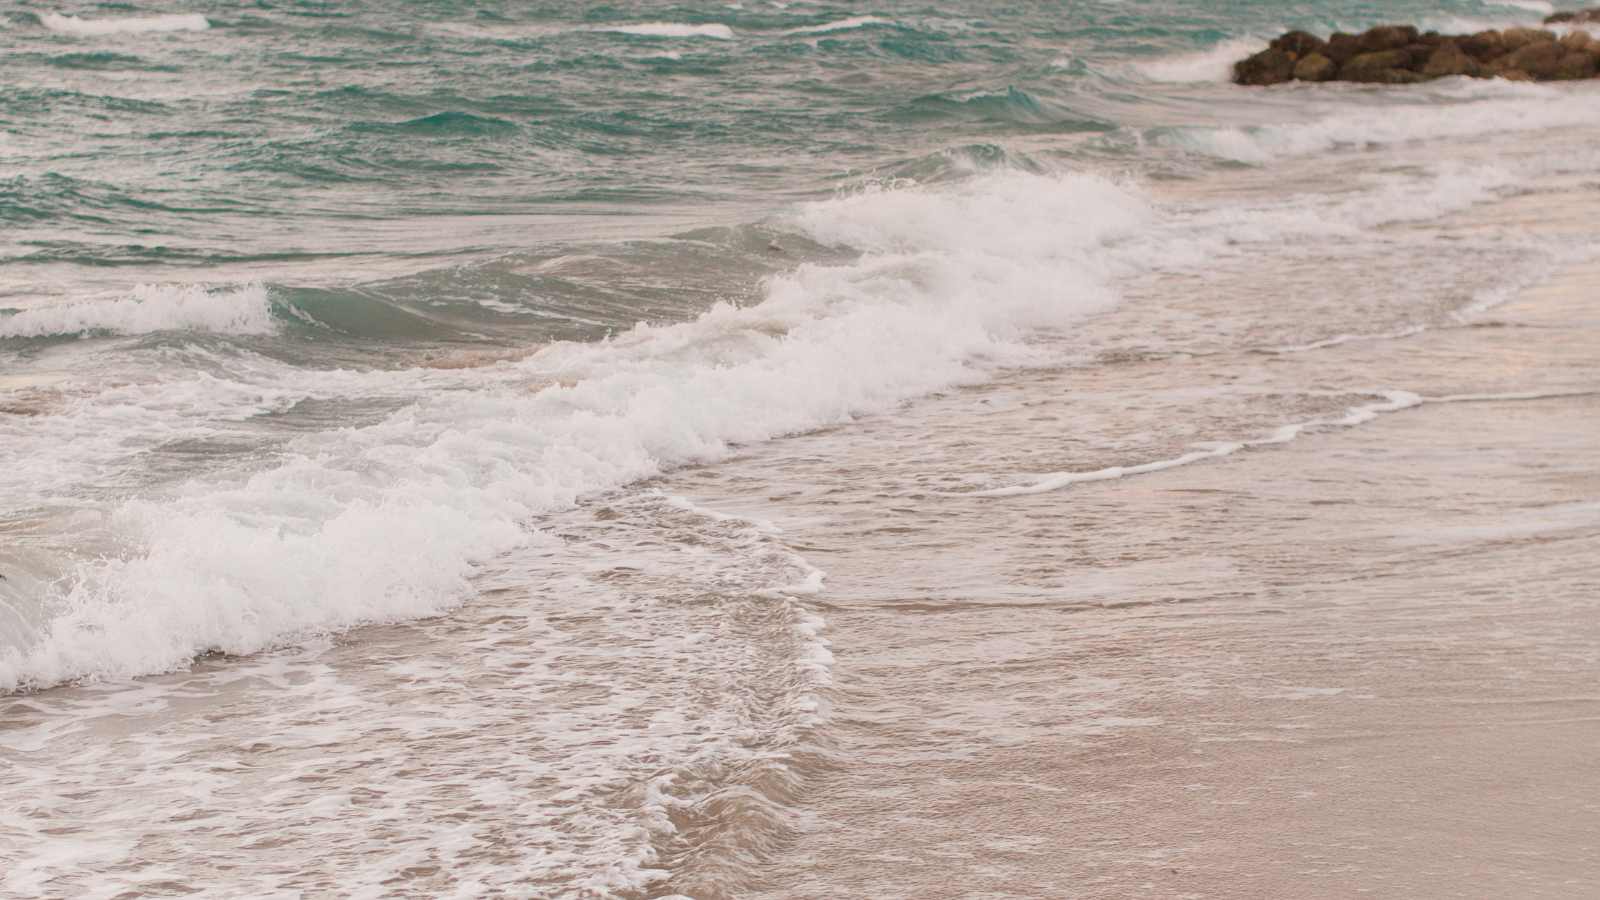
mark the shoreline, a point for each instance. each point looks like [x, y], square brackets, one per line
[1294, 672]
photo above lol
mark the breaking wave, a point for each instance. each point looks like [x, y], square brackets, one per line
[389, 521]
[147, 309]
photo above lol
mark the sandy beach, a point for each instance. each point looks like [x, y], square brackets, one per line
[1359, 663]
[782, 451]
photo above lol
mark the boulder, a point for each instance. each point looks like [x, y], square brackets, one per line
[1377, 68]
[1576, 65]
[1316, 67]
[1299, 43]
[1450, 60]
[1541, 59]
[1270, 66]
[1484, 46]
[1515, 39]
[1341, 47]
[1388, 37]
[1420, 53]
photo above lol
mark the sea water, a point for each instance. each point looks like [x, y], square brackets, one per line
[344, 349]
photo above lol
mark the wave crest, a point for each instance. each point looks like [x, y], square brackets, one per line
[670, 30]
[150, 308]
[65, 24]
[390, 521]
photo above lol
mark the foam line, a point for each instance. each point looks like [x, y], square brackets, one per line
[1356, 415]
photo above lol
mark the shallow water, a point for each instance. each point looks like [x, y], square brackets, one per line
[784, 451]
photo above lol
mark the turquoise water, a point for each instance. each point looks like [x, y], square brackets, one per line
[288, 133]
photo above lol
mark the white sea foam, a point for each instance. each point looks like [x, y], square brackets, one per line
[524, 660]
[150, 308]
[1498, 107]
[842, 25]
[1355, 415]
[1214, 64]
[132, 25]
[1393, 401]
[671, 30]
[389, 521]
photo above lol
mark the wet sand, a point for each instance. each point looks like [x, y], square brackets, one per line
[1361, 662]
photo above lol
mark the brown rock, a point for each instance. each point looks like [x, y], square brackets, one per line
[1484, 46]
[1376, 68]
[1315, 67]
[1517, 54]
[1419, 53]
[1541, 59]
[1517, 38]
[1299, 43]
[1387, 37]
[1576, 65]
[1450, 60]
[1341, 47]
[1270, 66]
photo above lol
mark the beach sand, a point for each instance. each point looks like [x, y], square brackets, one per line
[1360, 662]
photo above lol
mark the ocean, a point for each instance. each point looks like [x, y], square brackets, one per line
[523, 449]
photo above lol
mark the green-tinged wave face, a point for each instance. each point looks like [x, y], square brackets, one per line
[203, 136]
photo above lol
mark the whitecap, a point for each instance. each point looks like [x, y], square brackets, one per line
[670, 30]
[1212, 64]
[150, 308]
[842, 25]
[133, 25]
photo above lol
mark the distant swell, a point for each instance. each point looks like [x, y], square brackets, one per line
[147, 309]
[139, 25]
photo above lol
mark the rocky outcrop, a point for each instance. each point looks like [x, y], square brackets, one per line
[1398, 54]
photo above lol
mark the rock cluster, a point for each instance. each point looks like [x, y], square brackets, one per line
[1398, 54]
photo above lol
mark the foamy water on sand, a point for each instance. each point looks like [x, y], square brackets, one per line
[980, 458]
